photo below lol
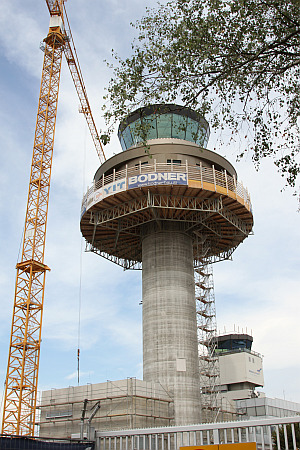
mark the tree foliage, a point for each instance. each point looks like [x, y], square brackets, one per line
[235, 61]
[289, 436]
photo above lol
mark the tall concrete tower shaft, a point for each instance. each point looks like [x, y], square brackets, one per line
[165, 208]
[170, 349]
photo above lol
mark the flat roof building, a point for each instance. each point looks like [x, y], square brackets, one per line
[267, 407]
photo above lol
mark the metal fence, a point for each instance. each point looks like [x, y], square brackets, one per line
[273, 433]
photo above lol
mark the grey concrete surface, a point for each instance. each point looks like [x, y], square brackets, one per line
[170, 351]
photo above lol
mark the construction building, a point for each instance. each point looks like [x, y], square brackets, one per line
[133, 404]
[124, 404]
[171, 207]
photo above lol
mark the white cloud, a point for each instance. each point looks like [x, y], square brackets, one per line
[20, 34]
[74, 375]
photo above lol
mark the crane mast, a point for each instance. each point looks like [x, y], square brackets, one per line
[24, 352]
[23, 361]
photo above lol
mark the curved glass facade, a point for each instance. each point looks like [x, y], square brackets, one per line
[173, 122]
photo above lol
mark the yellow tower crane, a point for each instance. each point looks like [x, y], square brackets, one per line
[23, 362]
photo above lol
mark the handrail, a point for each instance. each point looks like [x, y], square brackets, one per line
[206, 175]
[253, 422]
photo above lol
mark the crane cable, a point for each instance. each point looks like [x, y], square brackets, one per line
[80, 263]
[79, 313]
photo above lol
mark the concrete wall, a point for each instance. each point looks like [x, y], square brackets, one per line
[241, 367]
[163, 149]
[170, 350]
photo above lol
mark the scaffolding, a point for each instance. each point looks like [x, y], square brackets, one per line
[112, 229]
[128, 403]
[207, 340]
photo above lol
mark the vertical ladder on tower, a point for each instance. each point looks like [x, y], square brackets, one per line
[207, 340]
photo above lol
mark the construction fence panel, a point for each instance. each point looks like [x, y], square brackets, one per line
[268, 434]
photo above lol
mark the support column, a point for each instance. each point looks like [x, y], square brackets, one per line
[170, 350]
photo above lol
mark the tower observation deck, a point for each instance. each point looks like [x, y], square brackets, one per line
[165, 208]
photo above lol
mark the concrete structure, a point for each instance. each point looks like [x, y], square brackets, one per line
[241, 369]
[165, 208]
[170, 348]
[170, 208]
[241, 372]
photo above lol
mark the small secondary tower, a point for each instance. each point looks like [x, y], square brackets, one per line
[165, 208]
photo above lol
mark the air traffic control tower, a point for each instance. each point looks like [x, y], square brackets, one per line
[165, 209]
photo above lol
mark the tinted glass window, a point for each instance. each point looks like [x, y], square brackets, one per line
[151, 123]
[135, 131]
[127, 137]
[164, 125]
[168, 125]
[122, 142]
[179, 126]
[205, 141]
[201, 137]
[191, 130]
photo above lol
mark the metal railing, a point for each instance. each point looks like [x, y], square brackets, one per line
[267, 433]
[199, 173]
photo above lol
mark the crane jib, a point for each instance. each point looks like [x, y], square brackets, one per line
[55, 6]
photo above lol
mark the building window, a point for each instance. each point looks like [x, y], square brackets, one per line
[174, 161]
[58, 414]
[142, 164]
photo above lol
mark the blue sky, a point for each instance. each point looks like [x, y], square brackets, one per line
[259, 289]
